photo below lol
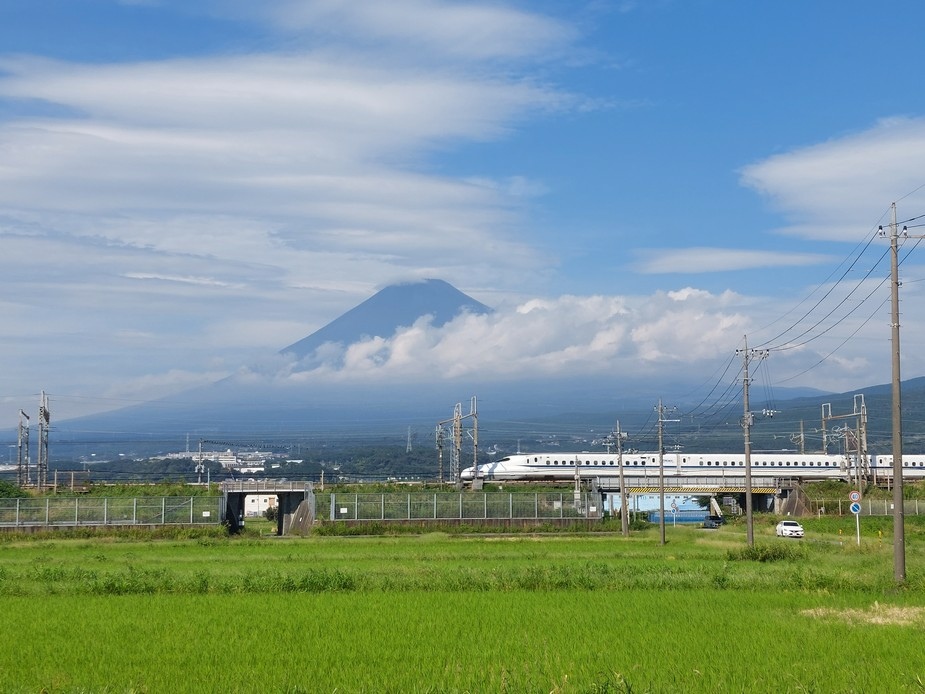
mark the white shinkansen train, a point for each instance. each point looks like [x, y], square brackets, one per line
[809, 466]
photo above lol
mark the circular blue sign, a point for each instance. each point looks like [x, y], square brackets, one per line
[855, 508]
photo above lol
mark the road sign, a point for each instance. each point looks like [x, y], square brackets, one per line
[855, 496]
[856, 510]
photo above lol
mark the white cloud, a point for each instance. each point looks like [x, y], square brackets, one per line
[542, 338]
[469, 31]
[669, 339]
[699, 260]
[161, 205]
[840, 189]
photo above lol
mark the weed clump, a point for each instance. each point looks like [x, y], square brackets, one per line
[778, 551]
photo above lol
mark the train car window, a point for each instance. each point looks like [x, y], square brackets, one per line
[547, 462]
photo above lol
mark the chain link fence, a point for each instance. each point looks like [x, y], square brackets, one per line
[94, 511]
[869, 507]
[466, 506]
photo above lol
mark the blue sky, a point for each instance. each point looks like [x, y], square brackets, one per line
[186, 187]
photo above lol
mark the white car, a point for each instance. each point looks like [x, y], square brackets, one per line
[789, 528]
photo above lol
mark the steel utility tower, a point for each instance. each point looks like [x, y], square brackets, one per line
[456, 451]
[41, 469]
[22, 467]
[861, 468]
[439, 436]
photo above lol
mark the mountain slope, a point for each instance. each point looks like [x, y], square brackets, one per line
[396, 306]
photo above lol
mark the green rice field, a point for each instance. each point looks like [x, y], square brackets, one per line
[462, 613]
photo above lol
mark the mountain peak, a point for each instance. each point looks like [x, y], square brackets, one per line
[395, 306]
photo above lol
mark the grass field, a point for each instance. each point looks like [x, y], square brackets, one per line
[445, 613]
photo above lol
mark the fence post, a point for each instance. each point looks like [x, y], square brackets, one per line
[435, 507]
[135, 511]
[46, 511]
[510, 506]
[106, 510]
[356, 506]
[460, 506]
[191, 510]
[409, 505]
[485, 505]
[536, 506]
[17, 511]
[76, 510]
[560, 505]
[163, 510]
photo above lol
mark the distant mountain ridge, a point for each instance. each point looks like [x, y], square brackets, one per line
[391, 308]
[255, 405]
[234, 405]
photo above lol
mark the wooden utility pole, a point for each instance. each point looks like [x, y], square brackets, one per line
[899, 531]
[747, 420]
[624, 512]
[661, 468]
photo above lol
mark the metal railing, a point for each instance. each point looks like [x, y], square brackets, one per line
[869, 507]
[99, 511]
[422, 506]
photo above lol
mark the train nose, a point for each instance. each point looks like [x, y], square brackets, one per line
[467, 474]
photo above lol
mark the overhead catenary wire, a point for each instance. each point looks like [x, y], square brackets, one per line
[807, 328]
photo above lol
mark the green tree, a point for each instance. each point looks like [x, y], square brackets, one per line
[8, 490]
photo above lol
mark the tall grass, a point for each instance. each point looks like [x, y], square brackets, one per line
[436, 612]
[519, 641]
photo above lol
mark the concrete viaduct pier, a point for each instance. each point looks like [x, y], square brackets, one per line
[295, 509]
